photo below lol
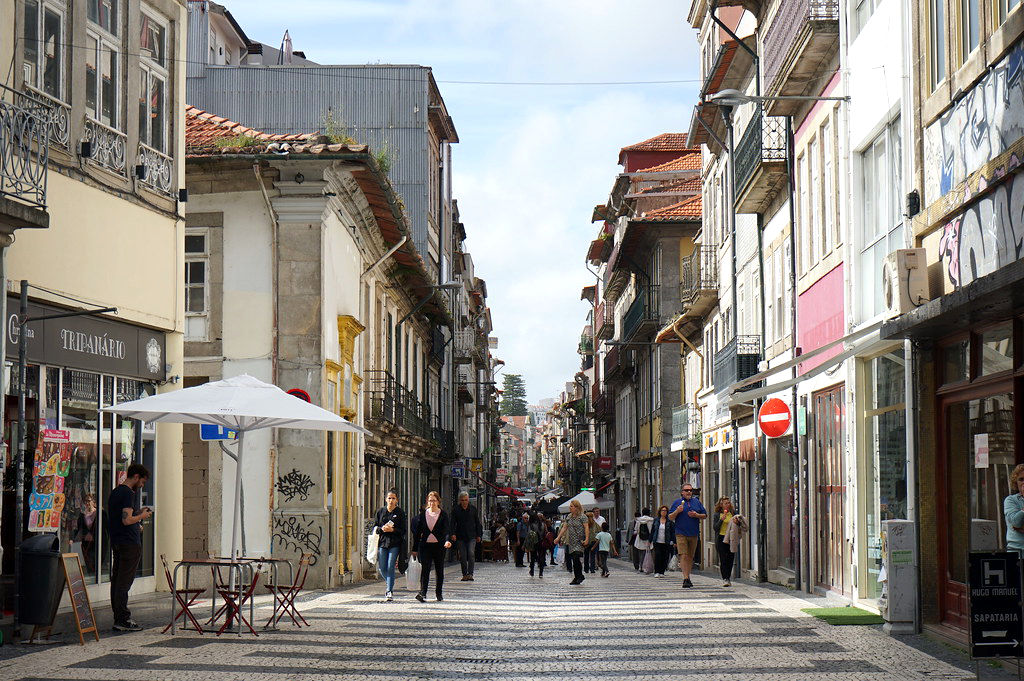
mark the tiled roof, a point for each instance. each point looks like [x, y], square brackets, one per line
[684, 210]
[688, 161]
[203, 129]
[666, 141]
[691, 184]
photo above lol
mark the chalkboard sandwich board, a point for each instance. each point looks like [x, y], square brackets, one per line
[80, 606]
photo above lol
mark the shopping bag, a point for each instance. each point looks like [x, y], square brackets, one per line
[559, 554]
[412, 575]
[372, 542]
[648, 566]
[673, 564]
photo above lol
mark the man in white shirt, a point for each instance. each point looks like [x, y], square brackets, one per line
[598, 518]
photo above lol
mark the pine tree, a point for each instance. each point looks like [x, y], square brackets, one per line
[513, 397]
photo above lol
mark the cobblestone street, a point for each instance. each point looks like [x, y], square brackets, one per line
[508, 625]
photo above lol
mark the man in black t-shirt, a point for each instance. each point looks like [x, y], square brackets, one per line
[125, 533]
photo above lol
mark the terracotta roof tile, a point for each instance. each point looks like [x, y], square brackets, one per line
[691, 184]
[684, 210]
[203, 129]
[666, 141]
[689, 161]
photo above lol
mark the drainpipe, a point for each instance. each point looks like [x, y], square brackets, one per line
[797, 450]
[760, 465]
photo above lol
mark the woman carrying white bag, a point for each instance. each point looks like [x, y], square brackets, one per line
[390, 528]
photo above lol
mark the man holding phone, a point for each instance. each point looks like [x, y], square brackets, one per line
[687, 512]
[125, 532]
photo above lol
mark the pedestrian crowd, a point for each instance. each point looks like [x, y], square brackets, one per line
[581, 542]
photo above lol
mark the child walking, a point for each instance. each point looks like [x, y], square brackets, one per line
[604, 546]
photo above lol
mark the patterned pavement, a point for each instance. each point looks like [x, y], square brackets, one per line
[507, 625]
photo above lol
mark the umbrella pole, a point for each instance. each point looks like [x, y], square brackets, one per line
[238, 508]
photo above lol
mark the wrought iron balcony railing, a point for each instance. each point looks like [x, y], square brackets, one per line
[764, 141]
[392, 403]
[700, 273]
[159, 174]
[686, 426]
[24, 147]
[785, 38]
[108, 146]
[736, 361]
[604, 321]
[643, 312]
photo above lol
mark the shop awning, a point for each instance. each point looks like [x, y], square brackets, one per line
[867, 336]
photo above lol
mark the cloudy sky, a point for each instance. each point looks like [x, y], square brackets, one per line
[533, 160]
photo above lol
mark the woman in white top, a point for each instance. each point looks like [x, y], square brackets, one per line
[663, 537]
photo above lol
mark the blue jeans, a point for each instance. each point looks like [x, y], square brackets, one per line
[386, 559]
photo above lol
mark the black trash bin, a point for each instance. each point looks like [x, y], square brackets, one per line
[41, 580]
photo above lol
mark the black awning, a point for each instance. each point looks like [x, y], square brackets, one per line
[990, 298]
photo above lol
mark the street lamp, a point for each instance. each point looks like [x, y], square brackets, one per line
[727, 100]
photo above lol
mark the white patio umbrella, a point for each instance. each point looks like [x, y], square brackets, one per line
[586, 500]
[242, 403]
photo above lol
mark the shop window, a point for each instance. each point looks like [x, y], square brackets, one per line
[82, 522]
[886, 460]
[197, 264]
[956, 362]
[996, 349]
[153, 84]
[44, 51]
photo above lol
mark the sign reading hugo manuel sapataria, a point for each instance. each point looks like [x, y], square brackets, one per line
[997, 629]
[91, 343]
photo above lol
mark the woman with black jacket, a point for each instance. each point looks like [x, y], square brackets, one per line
[663, 538]
[429, 542]
[390, 526]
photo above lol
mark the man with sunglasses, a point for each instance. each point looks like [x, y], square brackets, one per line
[687, 512]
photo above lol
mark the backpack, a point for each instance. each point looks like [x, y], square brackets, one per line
[644, 532]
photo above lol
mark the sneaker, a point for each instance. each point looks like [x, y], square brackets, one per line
[439, 597]
[388, 596]
[130, 625]
[687, 584]
[471, 578]
[531, 573]
[420, 598]
[576, 581]
[727, 583]
[466, 578]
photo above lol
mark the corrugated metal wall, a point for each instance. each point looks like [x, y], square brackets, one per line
[198, 38]
[375, 104]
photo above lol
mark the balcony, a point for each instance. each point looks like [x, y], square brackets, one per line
[604, 321]
[760, 163]
[604, 408]
[446, 441]
[698, 286]
[643, 313]
[618, 364]
[686, 427]
[465, 346]
[25, 123]
[392, 404]
[799, 43]
[437, 344]
[736, 361]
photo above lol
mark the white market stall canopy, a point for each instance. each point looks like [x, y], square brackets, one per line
[588, 502]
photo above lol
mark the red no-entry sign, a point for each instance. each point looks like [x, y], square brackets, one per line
[774, 417]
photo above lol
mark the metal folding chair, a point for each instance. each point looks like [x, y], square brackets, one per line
[186, 598]
[284, 596]
[234, 600]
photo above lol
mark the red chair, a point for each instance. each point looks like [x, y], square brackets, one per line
[284, 596]
[235, 599]
[186, 598]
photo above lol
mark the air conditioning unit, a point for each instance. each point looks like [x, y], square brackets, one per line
[905, 280]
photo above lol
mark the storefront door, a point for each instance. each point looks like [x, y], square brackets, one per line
[980, 446]
[830, 493]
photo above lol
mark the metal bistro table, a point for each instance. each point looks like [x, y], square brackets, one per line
[274, 570]
[241, 569]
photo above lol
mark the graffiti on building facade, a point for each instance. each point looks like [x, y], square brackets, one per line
[981, 126]
[294, 484]
[298, 534]
[987, 236]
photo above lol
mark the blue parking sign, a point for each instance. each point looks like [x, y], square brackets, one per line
[209, 431]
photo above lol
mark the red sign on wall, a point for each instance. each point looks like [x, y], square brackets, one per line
[774, 418]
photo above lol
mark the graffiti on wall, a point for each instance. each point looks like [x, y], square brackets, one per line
[294, 484]
[298, 534]
[981, 126]
[988, 235]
